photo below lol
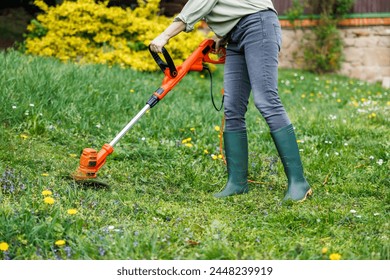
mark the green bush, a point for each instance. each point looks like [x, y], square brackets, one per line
[86, 31]
[323, 49]
[324, 52]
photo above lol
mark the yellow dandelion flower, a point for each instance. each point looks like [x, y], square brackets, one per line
[46, 192]
[220, 156]
[217, 128]
[324, 250]
[49, 200]
[73, 155]
[202, 76]
[388, 103]
[338, 100]
[189, 145]
[72, 211]
[214, 157]
[24, 136]
[335, 257]
[132, 90]
[192, 128]
[303, 95]
[186, 140]
[45, 174]
[4, 246]
[205, 151]
[60, 242]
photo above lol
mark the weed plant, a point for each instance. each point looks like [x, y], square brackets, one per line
[158, 203]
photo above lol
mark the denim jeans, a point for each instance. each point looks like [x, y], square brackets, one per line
[252, 65]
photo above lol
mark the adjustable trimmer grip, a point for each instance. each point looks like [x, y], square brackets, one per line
[169, 64]
[193, 63]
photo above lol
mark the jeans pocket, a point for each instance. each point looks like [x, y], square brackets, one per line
[278, 35]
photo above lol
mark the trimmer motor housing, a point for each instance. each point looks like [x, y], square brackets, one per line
[91, 161]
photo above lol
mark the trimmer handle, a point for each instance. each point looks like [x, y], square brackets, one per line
[164, 65]
[220, 52]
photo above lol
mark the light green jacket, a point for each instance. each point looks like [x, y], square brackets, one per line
[220, 15]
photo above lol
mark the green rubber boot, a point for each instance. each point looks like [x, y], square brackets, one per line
[236, 152]
[286, 144]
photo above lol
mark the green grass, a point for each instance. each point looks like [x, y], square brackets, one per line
[159, 203]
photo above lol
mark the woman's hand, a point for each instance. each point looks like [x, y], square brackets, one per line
[219, 42]
[159, 42]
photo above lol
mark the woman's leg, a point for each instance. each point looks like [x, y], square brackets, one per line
[237, 90]
[261, 42]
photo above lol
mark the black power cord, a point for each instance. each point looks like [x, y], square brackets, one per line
[211, 90]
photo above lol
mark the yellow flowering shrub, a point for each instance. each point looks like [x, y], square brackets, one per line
[88, 32]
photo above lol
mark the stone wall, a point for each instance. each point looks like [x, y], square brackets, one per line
[366, 51]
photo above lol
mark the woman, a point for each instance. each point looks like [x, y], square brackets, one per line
[252, 32]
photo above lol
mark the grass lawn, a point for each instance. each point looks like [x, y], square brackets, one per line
[159, 201]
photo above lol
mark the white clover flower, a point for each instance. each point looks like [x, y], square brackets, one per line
[380, 161]
[14, 107]
[32, 105]
[353, 211]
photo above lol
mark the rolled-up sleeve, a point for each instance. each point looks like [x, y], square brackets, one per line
[194, 11]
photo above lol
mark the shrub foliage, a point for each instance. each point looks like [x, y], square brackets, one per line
[86, 31]
[323, 47]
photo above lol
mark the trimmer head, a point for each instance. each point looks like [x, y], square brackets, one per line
[90, 162]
